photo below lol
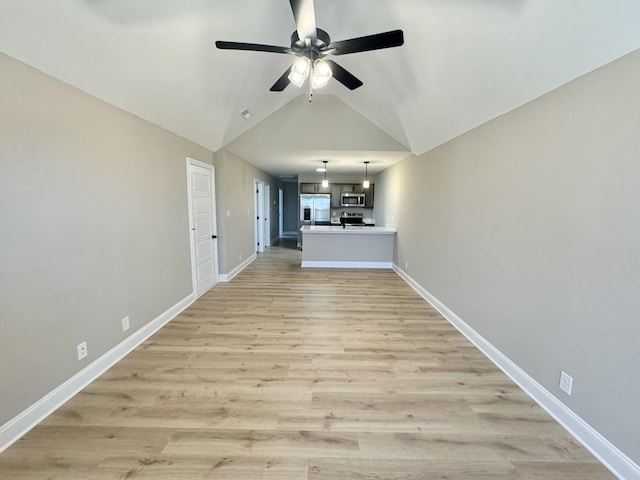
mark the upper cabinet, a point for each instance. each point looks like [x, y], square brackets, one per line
[352, 188]
[337, 189]
[314, 188]
[368, 196]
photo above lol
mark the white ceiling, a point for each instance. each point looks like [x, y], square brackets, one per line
[464, 62]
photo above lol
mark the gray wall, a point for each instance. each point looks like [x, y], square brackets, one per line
[235, 208]
[290, 208]
[528, 229]
[93, 203]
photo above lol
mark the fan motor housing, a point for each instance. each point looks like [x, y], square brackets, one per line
[314, 49]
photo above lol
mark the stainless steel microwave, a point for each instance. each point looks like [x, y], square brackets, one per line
[352, 200]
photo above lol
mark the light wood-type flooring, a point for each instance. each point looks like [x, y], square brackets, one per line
[292, 374]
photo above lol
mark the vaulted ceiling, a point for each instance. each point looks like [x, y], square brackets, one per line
[464, 62]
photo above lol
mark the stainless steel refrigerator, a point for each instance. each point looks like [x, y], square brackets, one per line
[315, 209]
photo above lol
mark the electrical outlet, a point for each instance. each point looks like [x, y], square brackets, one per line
[240, 256]
[82, 350]
[228, 213]
[406, 265]
[566, 382]
[125, 323]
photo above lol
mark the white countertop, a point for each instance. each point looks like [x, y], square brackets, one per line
[348, 230]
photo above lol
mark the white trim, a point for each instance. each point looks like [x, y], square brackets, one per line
[229, 276]
[322, 264]
[18, 426]
[290, 233]
[610, 456]
[274, 240]
[199, 163]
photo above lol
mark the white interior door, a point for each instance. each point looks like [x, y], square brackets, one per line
[280, 213]
[266, 222]
[259, 209]
[204, 251]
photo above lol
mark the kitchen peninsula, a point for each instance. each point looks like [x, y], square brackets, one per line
[348, 247]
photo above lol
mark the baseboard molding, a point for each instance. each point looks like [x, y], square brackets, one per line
[288, 234]
[229, 276]
[17, 427]
[608, 454]
[274, 240]
[318, 264]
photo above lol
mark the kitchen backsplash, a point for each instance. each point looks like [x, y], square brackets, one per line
[367, 213]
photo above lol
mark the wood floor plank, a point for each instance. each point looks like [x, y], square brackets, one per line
[409, 469]
[302, 374]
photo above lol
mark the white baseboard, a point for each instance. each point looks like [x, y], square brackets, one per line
[610, 456]
[293, 233]
[318, 264]
[229, 276]
[15, 428]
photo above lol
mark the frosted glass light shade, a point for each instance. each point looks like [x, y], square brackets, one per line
[300, 71]
[321, 74]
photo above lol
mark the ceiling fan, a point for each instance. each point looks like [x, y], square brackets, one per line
[311, 45]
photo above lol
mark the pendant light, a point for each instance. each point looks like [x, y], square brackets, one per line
[365, 184]
[325, 182]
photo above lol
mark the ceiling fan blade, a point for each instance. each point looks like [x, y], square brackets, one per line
[344, 76]
[282, 82]
[305, 17]
[255, 47]
[377, 41]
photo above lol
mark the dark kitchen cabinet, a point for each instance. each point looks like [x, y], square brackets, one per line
[368, 196]
[335, 195]
[352, 188]
[337, 189]
[314, 188]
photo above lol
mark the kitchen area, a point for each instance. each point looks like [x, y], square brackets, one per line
[336, 204]
[337, 227]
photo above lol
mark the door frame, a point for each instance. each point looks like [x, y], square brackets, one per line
[280, 213]
[267, 215]
[194, 279]
[258, 215]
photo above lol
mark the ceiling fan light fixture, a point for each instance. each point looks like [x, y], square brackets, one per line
[300, 71]
[310, 43]
[321, 74]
